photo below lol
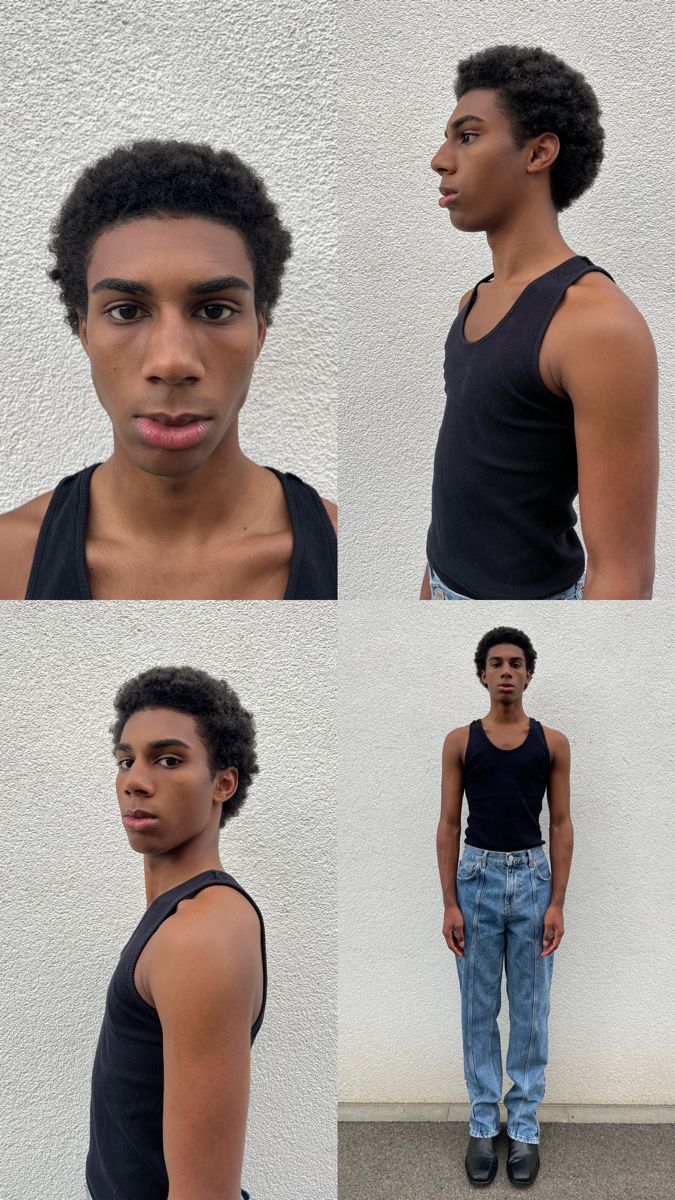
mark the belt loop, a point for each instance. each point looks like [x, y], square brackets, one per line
[530, 858]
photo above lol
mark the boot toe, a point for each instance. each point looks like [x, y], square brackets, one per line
[481, 1160]
[522, 1163]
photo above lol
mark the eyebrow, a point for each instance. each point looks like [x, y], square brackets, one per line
[136, 288]
[460, 121]
[160, 745]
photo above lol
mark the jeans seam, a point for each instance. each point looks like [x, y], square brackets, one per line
[474, 924]
[535, 992]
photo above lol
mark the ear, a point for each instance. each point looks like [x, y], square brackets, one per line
[483, 679]
[226, 783]
[82, 331]
[543, 151]
[262, 332]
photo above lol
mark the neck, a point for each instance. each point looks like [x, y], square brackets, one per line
[511, 713]
[165, 871]
[527, 243]
[224, 492]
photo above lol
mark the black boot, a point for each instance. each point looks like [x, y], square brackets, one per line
[522, 1163]
[481, 1160]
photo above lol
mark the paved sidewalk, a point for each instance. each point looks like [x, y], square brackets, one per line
[425, 1161]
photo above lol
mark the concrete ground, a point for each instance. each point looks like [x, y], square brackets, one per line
[425, 1161]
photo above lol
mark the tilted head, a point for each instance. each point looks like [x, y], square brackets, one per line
[183, 739]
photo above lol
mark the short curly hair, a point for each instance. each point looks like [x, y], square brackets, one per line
[158, 178]
[512, 637]
[226, 728]
[541, 94]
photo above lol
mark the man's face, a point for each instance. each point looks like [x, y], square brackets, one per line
[172, 337]
[163, 771]
[505, 675]
[479, 162]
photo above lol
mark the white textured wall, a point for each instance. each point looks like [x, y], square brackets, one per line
[81, 78]
[403, 268]
[604, 676]
[73, 890]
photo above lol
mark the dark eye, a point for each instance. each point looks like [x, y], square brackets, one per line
[467, 133]
[124, 763]
[170, 759]
[215, 312]
[127, 312]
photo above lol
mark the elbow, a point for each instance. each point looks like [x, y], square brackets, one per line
[624, 580]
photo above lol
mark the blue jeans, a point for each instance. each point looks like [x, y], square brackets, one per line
[440, 590]
[503, 897]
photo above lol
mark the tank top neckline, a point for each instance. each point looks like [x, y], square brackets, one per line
[513, 749]
[465, 341]
[81, 555]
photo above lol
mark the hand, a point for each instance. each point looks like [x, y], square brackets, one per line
[554, 928]
[453, 929]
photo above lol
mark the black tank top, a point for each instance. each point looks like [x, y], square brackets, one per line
[504, 790]
[126, 1158]
[59, 569]
[505, 469]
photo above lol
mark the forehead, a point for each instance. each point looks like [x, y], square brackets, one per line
[505, 650]
[186, 247]
[156, 724]
[480, 102]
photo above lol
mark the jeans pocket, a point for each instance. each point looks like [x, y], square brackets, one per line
[543, 871]
[467, 869]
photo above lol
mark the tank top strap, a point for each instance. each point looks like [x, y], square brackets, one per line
[313, 570]
[59, 567]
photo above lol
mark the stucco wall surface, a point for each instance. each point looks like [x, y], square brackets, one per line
[403, 268]
[73, 889]
[604, 677]
[79, 80]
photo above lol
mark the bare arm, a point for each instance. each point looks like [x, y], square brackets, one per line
[610, 373]
[561, 837]
[448, 835]
[203, 983]
[332, 511]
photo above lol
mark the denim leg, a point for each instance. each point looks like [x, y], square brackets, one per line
[480, 974]
[528, 983]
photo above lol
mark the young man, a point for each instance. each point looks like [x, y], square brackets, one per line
[169, 258]
[170, 1080]
[503, 902]
[550, 370]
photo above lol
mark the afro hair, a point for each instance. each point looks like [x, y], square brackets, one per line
[504, 634]
[226, 728]
[158, 178]
[542, 94]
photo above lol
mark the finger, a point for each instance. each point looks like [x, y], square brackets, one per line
[554, 943]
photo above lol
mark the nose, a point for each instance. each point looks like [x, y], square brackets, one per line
[137, 781]
[172, 353]
[443, 162]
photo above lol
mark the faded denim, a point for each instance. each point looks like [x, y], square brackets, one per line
[503, 897]
[440, 590]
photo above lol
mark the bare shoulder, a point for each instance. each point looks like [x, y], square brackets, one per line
[19, 531]
[595, 304]
[455, 742]
[465, 299]
[557, 743]
[332, 511]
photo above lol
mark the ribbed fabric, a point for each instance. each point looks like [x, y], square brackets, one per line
[505, 469]
[59, 568]
[126, 1158]
[504, 790]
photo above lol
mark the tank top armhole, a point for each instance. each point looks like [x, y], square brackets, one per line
[291, 484]
[42, 539]
[549, 314]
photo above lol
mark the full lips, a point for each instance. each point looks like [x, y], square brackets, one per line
[171, 437]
